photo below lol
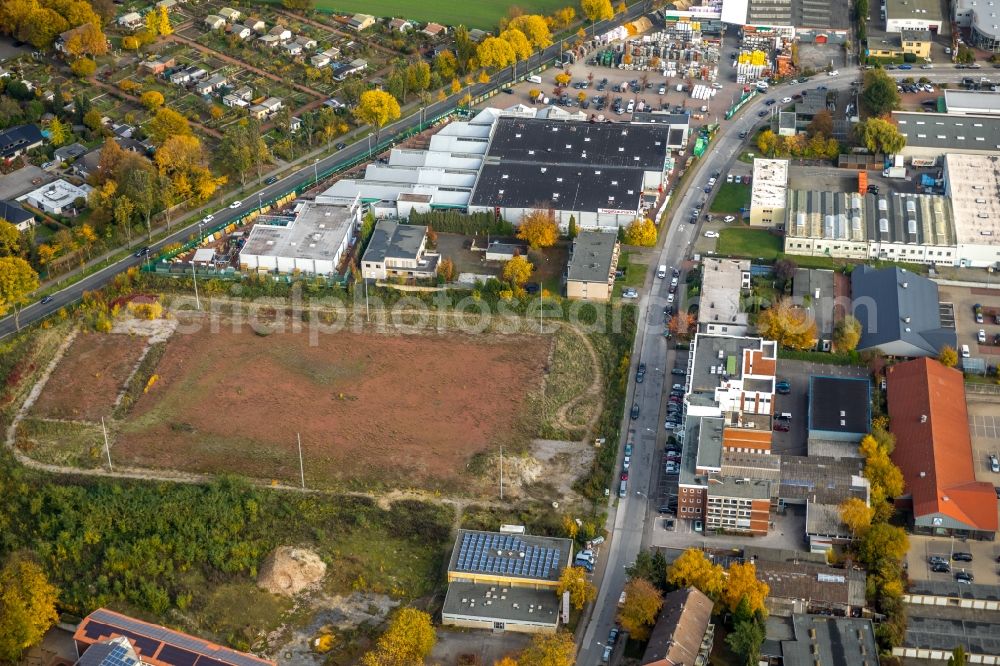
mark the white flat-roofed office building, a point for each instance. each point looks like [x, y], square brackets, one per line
[313, 243]
[973, 184]
[767, 196]
[981, 19]
[972, 102]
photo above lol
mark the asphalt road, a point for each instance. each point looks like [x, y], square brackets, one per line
[305, 175]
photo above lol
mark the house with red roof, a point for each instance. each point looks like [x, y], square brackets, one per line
[928, 416]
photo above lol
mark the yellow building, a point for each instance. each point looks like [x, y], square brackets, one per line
[896, 45]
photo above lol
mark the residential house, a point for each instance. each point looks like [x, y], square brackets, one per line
[723, 284]
[231, 15]
[123, 130]
[900, 312]
[57, 198]
[590, 274]
[272, 104]
[292, 49]
[166, 4]
[130, 21]
[929, 417]
[319, 60]
[294, 124]
[476, 35]
[361, 22]
[19, 139]
[258, 111]
[258, 26]
[514, 589]
[240, 31]
[281, 32]
[314, 243]
[305, 41]
[107, 638]
[211, 84]
[398, 250]
[68, 153]
[400, 25]
[332, 53]
[215, 22]
[342, 70]
[683, 633]
[238, 98]
[13, 213]
[269, 41]
[88, 165]
[158, 65]
[434, 30]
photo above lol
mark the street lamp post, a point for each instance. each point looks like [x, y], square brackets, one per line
[316, 172]
[260, 204]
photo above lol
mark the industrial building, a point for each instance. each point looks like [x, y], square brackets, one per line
[505, 581]
[590, 273]
[811, 20]
[979, 17]
[723, 284]
[801, 586]
[913, 15]
[935, 134]
[840, 408]
[768, 192]
[971, 102]
[604, 174]
[814, 290]
[398, 250]
[107, 638]
[972, 183]
[821, 223]
[313, 243]
[822, 484]
[820, 639]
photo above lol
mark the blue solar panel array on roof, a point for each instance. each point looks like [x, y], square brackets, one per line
[505, 554]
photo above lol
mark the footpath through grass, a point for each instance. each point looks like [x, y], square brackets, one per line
[483, 14]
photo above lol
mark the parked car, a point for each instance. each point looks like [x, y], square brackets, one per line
[937, 559]
[728, 219]
[783, 387]
[960, 556]
[994, 464]
[786, 100]
[964, 577]
[613, 636]
[965, 351]
[697, 526]
[606, 657]
[781, 426]
[770, 102]
[981, 336]
[635, 411]
[679, 372]
[761, 114]
[977, 310]
[941, 568]
[711, 234]
[630, 292]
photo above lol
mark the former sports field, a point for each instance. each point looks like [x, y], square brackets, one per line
[483, 14]
[372, 410]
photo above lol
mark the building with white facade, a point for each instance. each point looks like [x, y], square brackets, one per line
[980, 18]
[972, 182]
[723, 284]
[913, 15]
[56, 198]
[972, 102]
[398, 250]
[767, 196]
[313, 243]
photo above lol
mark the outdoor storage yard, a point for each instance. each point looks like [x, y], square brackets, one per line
[373, 410]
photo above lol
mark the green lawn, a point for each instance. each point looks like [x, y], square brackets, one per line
[731, 198]
[635, 274]
[752, 243]
[483, 14]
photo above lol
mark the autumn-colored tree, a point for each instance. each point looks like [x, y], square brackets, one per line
[58, 135]
[163, 24]
[506, 661]
[534, 28]
[152, 99]
[445, 65]
[642, 602]
[87, 39]
[539, 229]
[167, 123]
[574, 580]
[83, 67]
[880, 136]
[682, 325]
[641, 232]
[563, 17]
[518, 43]
[92, 120]
[517, 271]
[27, 604]
[408, 640]
[483, 77]
[948, 357]
[557, 649]
[742, 584]
[693, 568]
[376, 108]
[85, 238]
[10, 239]
[563, 78]
[597, 10]
[847, 334]
[882, 472]
[446, 270]
[17, 282]
[767, 142]
[790, 326]
[857, 515]
[882, 543]
[495, 53]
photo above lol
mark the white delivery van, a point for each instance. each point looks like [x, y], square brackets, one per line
[661, 272]
[535, 79]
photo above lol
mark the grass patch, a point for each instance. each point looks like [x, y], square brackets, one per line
[61, 442]
[381, 563]
[730, 198]
[635, 274]
[570, 373]
[752, 243]
[484, 14]
[832, 358]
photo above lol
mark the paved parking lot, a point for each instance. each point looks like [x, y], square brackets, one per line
[797, 373]
[984, 426]
[963, 299]
[983, 566]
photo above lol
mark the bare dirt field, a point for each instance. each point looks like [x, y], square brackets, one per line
[375, 410]
[90, 376]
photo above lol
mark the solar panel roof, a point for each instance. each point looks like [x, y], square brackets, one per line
[511, 555]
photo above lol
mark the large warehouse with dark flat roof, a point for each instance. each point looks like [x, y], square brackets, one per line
[604, 174]
[839, 408]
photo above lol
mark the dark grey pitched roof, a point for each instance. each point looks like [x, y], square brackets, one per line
[17, 138]
[893, 304]
[13, 213]
[948, 132]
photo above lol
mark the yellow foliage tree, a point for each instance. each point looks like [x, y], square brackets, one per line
[456, 86]
[408, 640]
[574, 580]
[741, 582]
[597, 10]
[857, 515]
[87, 39]
[641, 232]
[882, 472]
[534, 28]
[539, 229]
[557, 649]
[948, 357]
[692, 568]
[621, 8]
[495, 53]
[642, 602]
[130, 43]
[83, 67]
[563, 78]
[167, 123]
[570, 527]
[163, 24]
[506, 661]
[790, 326]
[152, 99]
[518, 43]
[376, 108]
[27, 606]
[17, 281]
[517, 271]
[484, 77]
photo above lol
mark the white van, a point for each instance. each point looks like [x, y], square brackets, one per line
[661, 272]
[965, 351]
[630, 107]
[535, 79]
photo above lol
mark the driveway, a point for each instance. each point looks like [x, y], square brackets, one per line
[788, 532]
[20, 182]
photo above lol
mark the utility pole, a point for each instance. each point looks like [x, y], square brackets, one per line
[194, 273]
[302, 469]
[368, 316]
[107, 449]
[501, 471]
